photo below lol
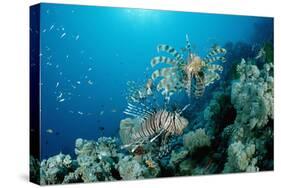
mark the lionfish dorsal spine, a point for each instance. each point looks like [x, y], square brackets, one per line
[188, 44]
[144, 109]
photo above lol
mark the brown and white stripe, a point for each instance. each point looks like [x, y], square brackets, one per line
[170, 123]
[199, 85]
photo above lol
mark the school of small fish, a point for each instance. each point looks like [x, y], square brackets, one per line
[64, 89]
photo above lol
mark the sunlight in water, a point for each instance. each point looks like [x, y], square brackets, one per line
[140, 15]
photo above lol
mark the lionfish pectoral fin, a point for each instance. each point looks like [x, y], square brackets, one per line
[183, 109]
[154, 138]
[149, 91]
[161, 59]
[169, 49]
[216, 54]
[211, 77]
[126, 146]
[212, 67]
[136, 146]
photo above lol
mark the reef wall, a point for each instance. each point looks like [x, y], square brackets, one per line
[232, 133]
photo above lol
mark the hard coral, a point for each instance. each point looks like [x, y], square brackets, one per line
[196, 139]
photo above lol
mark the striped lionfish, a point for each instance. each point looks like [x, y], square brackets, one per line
[152, 124]
[191, 74]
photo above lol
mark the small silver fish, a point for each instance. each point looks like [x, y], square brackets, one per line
[62, 35]
[52, 26]
[59, 96]
[101, 113]
[50, 131]
[61, 100]
[90, 82]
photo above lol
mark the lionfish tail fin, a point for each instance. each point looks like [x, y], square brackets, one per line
[213, 68]
[125, 146]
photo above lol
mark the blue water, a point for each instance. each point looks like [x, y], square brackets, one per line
[89, 53]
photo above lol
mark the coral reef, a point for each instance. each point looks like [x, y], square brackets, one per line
[34, 166]
[130, 169]
[232, 132]
[54, 169]
[252, 97]
[97, 161]
[240, 158]
[133, 168]
[196, 139]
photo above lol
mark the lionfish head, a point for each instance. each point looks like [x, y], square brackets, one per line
[180, 123]
[194, 64]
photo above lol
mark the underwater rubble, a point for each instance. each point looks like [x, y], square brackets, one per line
[232, 133]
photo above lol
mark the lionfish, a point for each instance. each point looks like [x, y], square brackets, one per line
[192, 74]
[138, 92]
[151, 124]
